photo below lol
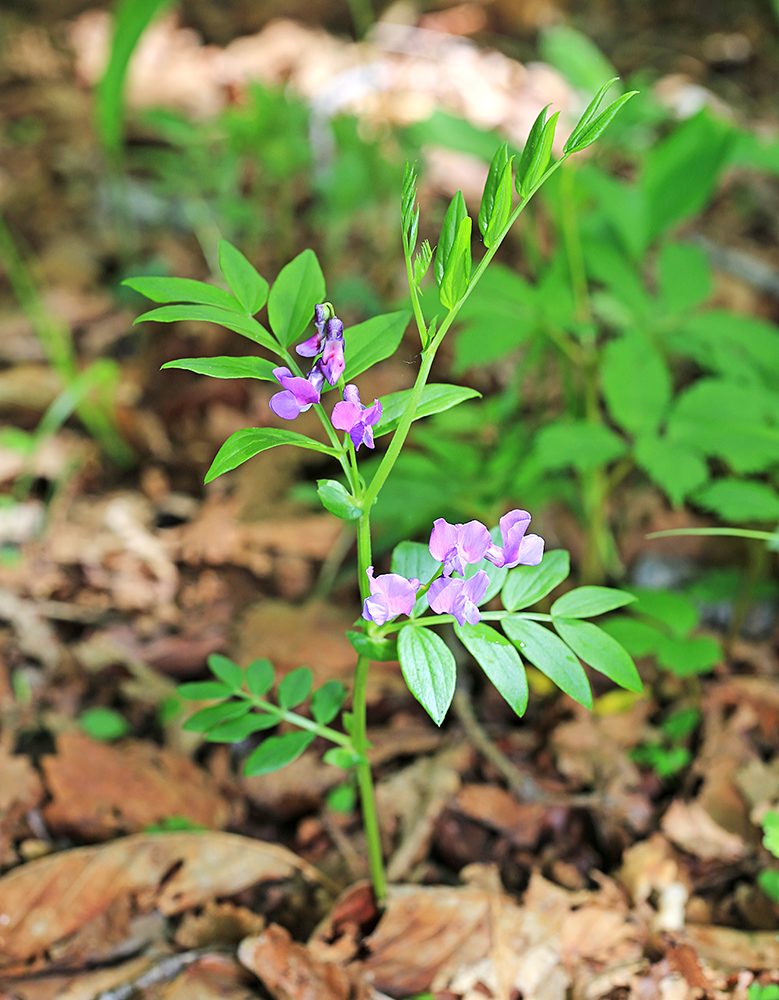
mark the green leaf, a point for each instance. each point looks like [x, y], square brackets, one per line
[637, 636]
[588, 135]
[183, 290]
[382, 650]
[676, 469]
[586, 602]
[577, 443]
[244, 325]
[494, 177]
[215, 715]
[236, 730]
[327, 701]
[526, 585]
[299, 287]
[340, 757]
[294, 688]
[260, 677]
[226, 367]
[250, 288]
[740, 500]
[535, 156]
[250, 441]
[676, 611]
[499, 660]
[458, 267]
[552, 657]
[683, 276]
[374, 340]
[689, 656]
[574, 55]
[637, 404]
[502, 208]
[204, 690]
[435, 399]
[603, 653]
[103, 723]
[226, 671]
[276, 752]
[337, 499]
[429, 669]
[455, 216]
[681, 171]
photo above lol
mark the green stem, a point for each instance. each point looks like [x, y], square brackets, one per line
[365, 781]
[428, 620]
[298, 720]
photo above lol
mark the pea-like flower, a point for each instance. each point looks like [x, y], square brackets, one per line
[313, 346]
[333, 363]
[357, 420]
[518, 549]
[299, 393]
[391, 595]
[457, 545]
[461, 598]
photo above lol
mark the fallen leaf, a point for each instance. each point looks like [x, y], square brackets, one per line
[100, 789]
[44, 903]
[289, 971]
[690, 827]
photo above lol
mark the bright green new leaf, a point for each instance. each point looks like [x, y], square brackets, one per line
[600, 650]
[499, 660]
[250, 441]
[457, 274]
[595, 128]
[683, 276]
[226, 671]
[294, 688]
[338, 500]
[204, 690]
[249, 287]
[239, 729]
[429, 669]
[435, 399]
[103, 723]
[372, 341]
[636, 382]
[298, 288]
[226, 367]
[244, 325]
[260, 677]
[382, 650]
[327, 700]
[526, 585]
[501, 208]
[215, 715]
[455, 216]
[577, 443]
[183, 290]
[740, 500]
[674, 467]
[552, 657]
[586, 602]
[276, 752]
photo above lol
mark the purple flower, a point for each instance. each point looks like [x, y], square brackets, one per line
[313, 346]
[299, 393]
[457, 545]
[333, 363]
[459, 597]
[518, 548]
[358, 420]
[391, 595]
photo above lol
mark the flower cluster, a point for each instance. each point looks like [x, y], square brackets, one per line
[357, 420]
[299, 393]
[456, 546]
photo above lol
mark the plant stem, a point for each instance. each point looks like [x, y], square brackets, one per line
[365, 781]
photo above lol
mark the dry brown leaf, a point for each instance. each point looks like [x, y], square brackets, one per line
[289, 970]
[44, 903]
[474, 937]
[100, 789]
[521, 822]
[730, 950]
[20, 790]
[690, 827]
[217, 923]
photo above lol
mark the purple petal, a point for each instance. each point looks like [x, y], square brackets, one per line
[352, 394]
[303, 391]
[531, 551]
[514, 519]
[357, 433]
[285, 405]
[443, 593]
[476, 587]
[443, 539]
[465, 611]
[345, 415]
[391, 595]
[473, 541]
[311, 347]
[367, 436]
[333, 363]
[372, 414]
[495, 555]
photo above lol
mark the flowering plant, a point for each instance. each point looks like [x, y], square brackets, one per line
[463, 567]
